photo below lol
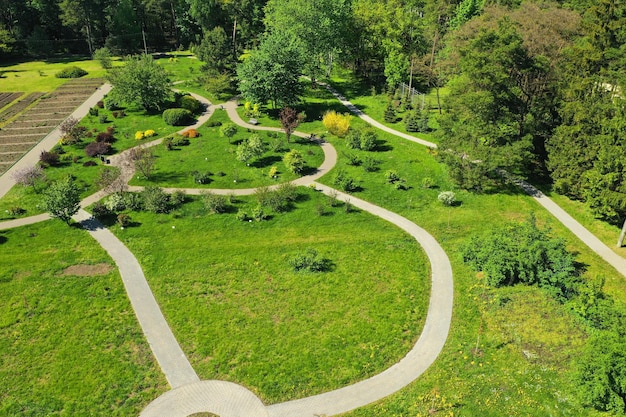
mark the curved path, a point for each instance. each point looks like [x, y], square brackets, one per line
[588, 238]
[190, 395]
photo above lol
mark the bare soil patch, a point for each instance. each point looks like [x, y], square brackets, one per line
[84, 270]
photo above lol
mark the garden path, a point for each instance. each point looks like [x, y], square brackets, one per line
[189, 394]
[588, 238]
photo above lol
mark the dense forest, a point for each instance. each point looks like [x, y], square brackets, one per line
[531, 87]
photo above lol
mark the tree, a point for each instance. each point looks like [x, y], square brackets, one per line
[251, 148]
[142, 159]
[321, 25]
[498, 104]
[289, 120]
[294, 161]
[141, 81]
[215, 50]
[29, 176]
[229, 130]
[272, 72]
[103, 56]
[62, 199]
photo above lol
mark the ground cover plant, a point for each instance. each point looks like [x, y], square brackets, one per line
[242, 314]
[70, 342]
[216, 156]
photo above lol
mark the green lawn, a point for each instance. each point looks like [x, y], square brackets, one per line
[70, 343]
[242, 315]
[212, 153]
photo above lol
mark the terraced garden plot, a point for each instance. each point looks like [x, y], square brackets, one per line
[20, 135]
[7, 98]
[18, 107]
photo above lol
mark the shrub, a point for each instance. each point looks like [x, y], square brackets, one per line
[180, 141]
[447, 198]
[167, 142]
[110, 104]
[242, 216]
[103, 118]
[346, 183]
[276, 200]
[94, 111]
[294, 161]
[201, 177]
[98, 148]
[99, 210]
[191, 133]
[353, 139]
[28, 176]
[190, 103]
[103, 56]
[368, 140]
[149, 133]
[428, 182]
[123, 220]
[100, 104]
[336, 123]
[392, 176]
[115, 202]
[370, 164]
[139, 135]
[214, 123]
[258, 214]
[273, 172]
[177, 198]
[105, 137]
[111, 129]
[352, 159]
[523, 253]
[309, 261]
[16, 211]
[215, 203]
[71, 72]
[90, 164]
[133, 201]
[390, 114]
[49, 158]
[177, 116]
[155, 200]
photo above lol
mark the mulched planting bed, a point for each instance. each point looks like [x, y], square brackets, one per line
[6, 98]
[19, 106]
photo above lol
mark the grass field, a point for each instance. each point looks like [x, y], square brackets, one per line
[240, 315]
[215, 154]
[243, 315]
[70, 343]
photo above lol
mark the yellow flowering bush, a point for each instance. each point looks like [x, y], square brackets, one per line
[337, 124]
[149, 133]
[139, 135]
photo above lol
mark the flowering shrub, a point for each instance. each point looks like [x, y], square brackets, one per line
[273, 172]
[336, 123]
[139, 135]
[149, 133]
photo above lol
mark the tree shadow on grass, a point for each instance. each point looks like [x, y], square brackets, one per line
[315, 111]
[266, 161]
[3, 239]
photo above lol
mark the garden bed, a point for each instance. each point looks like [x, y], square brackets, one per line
[18, 107]
[7, 98]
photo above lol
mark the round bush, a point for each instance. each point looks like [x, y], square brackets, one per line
[97, 148]
[71, 72]
[177, 117]
[190, 103]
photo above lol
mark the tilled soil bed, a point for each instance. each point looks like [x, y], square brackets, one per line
[6, 98]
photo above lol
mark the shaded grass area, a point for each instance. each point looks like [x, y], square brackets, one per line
[69, 344]
[215, 154]
[498, 378]
[242, 315]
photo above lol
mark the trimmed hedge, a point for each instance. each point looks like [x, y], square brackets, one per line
[71, 72]
[177, 116]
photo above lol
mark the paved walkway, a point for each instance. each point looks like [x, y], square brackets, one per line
[32, 157]
[561, 215]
